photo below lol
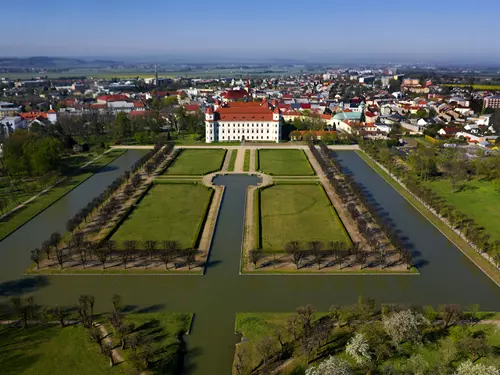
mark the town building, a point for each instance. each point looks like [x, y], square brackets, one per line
[8, 109]
[237, 121]
[492, 102]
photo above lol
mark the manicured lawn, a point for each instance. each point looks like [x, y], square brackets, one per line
[14, 221]
[167, 212]
[479, 200]
[246, 163]
[299, 213]
[284, 163]
[232, 161]
[51, 350]
[197, 162]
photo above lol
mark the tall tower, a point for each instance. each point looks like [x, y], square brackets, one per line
[156, 75]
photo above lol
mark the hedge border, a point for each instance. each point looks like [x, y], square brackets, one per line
[201, 224]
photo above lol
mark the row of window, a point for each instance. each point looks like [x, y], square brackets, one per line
[249, 125]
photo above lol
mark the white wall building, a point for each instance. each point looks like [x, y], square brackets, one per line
[11, 123]
[237, 121]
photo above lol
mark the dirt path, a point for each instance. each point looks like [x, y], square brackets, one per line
[240, 159]
[252, 160]
[225, 166]
[213, 213]
[117, 357]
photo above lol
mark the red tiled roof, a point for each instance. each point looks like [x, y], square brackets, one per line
[32, 115]
[97, 106]
[112, 98]
[326, 117]
[305, 105]
[315, 132]
[451, 130]
[252, 111]
[235, 94]
[191, 107]
[138, 104]
[370, 114]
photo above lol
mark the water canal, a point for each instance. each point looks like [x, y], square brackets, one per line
[446, 276]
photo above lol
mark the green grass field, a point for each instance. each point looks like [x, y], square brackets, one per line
[284, 163]
[18, 218]
[482, 263]
[246, 163]
[477, 199]
[232, 161]
[51, 350]
[197, 162]
[298, 213]
[167, 212]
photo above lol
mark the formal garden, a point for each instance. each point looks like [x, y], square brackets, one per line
[138, 225]
[77, 340]
[365, 338]
[287, 162]
[197, 162]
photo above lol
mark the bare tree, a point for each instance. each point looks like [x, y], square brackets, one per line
[189, 255]
[60, 314]
[265, 348]
[255, 255]
[107, 350]
[117, 302]
[35, 257]
[95, 336]
[171, 249]
[102, 255]
[306, 314]
[450, 313]
[47, 248]
[61, 257]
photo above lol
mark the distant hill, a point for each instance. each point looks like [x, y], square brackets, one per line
[52, 62]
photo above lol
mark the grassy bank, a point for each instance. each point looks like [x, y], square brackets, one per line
[23, 215]
[482, 263]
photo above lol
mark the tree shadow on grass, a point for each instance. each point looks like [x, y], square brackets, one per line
[18, 347]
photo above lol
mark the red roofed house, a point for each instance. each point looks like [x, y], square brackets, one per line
[111, 98]
[191, 108]
[448, 131]
[237, 121]
[370, 117]
[235, 95]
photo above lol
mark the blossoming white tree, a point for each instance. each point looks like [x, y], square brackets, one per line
[404, 326]
[470, 368]
[331, 366]
[359, 349]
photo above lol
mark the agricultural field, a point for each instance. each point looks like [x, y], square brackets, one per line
[298, 212]
[284, 163]
[197, 162]
[167, 212]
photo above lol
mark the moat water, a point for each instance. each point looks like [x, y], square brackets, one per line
[446, 275]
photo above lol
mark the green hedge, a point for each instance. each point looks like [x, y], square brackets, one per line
[257, 160]
[246, 164]
[232, 162]
[257, 221]
[201, 225]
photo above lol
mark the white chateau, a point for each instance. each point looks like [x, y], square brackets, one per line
[237, 121]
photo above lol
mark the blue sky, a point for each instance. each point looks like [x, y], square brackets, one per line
[313, 30]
